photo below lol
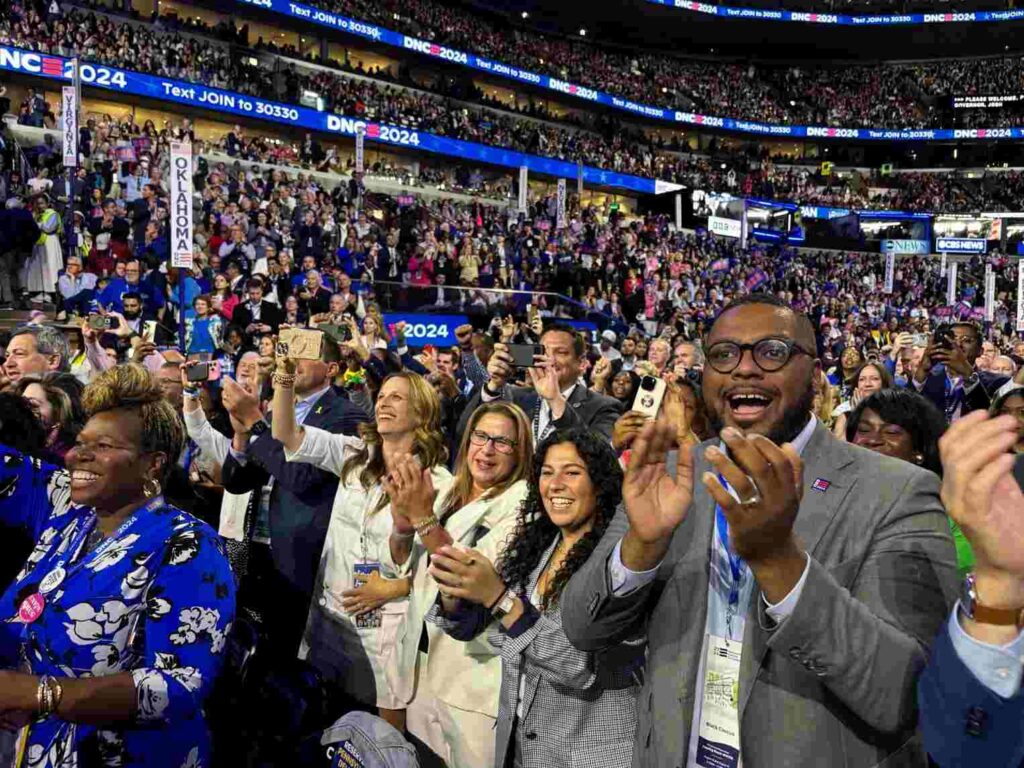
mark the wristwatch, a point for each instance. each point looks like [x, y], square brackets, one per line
[1003, 617]
[504, 605]
[258, 429]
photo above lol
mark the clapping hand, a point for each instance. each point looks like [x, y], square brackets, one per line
[981, 494]
[411, 490]
[545, 379]
[769, 483]
[656, 503]
[466, 574]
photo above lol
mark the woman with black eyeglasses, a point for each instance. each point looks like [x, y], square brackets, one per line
[452, 687]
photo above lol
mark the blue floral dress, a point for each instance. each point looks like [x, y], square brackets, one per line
[155, 599]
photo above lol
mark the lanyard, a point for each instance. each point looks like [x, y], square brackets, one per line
[736, 564]
[80, 538]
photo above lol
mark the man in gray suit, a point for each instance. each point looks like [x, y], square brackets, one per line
[791, 594]
[558, 399]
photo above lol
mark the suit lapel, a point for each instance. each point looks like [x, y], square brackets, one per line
[531, 690]
[825, 487]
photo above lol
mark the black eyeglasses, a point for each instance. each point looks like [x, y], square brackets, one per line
[769, 354]
[501, 444]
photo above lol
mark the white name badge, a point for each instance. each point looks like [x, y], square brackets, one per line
[718, 741]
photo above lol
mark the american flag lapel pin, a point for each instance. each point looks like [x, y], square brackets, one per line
[821, 484]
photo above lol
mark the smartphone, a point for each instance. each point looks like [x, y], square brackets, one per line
[649, 396]
[300, 343]
[102, 322]
[149, 331]
[920, 340]
[339, 333]
[204, 371]
[943, 337]
[524, 355]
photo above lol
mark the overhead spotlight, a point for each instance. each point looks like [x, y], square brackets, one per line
[583, 32]
[792, 103]
[525, 15]
[723, 166]
[664, 89]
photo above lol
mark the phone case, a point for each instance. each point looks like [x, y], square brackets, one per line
[648, 402]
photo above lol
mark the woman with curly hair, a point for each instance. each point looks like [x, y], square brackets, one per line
[456, 684]
[354, 649]
[117, 622]
[559, 706]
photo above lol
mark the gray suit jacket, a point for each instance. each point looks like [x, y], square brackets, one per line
[833, 684]
[579, 709]
[585, 408]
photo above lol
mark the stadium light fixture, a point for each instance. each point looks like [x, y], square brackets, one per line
[583, 32]
[526, 14]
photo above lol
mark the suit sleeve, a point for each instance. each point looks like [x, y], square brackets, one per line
[242, 478]
[593, 617]
[602, 421]
[863, 631]
[308, 483]
[963, 723]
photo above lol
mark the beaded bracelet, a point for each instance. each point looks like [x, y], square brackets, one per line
[284, 380]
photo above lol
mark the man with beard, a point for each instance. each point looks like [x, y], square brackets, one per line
[789, 593]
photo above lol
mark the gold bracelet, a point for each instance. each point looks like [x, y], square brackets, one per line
[283, 380]
[426, 525]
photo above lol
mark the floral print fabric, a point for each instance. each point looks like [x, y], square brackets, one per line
[155, 600]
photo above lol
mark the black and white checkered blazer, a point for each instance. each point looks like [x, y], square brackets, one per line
[578, 709]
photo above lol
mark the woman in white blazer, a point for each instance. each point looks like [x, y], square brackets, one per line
[357, 609]
[560, 707]
[453, 687]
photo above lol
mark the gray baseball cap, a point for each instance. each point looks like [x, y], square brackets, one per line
[362, 740]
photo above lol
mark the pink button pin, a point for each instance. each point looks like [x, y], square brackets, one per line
[31, 608]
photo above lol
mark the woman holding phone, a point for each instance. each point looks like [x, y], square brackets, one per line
[559, 706]
[357, 609]
[456, 684]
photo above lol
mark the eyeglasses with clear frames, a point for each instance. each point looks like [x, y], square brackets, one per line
[501, 444]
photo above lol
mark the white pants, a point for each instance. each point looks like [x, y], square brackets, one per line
[461, 738]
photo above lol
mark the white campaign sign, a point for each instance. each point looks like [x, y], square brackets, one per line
[560, 216]
[360, 149]
[725, 227]
[890, 271]
[1020, 295]
[69, 125]
[951, 284]
[181, 204]
[524, 175]
[990, 293]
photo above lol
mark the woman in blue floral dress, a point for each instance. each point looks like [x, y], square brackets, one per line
[113, 633]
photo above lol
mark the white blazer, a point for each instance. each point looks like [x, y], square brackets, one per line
[464, 675]
[355, 533]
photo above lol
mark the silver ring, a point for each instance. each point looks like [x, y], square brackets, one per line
[755, 499]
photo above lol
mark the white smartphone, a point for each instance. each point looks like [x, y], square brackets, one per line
[649, 396]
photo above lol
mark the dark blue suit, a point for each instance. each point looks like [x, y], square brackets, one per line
[978, 399]
[300, 510]
[964, 724]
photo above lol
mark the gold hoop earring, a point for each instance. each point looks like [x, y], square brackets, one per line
[151, 488]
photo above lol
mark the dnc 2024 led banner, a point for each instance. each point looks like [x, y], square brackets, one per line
[842, 19]
[379, 34]
[228, 102]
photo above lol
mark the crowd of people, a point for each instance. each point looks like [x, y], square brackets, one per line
[602, 142]
[250, 519]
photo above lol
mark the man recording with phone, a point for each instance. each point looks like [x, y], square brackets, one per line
[557, 399]
[958, 387]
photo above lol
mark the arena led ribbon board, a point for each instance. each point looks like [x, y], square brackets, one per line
[385, 36]
[842, 19]
[231, 103]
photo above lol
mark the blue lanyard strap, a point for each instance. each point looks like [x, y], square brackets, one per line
[735, 561]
